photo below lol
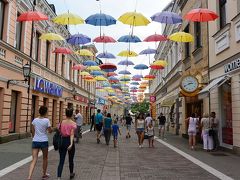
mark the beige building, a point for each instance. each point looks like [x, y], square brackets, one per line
[224, 65]
[53, 82]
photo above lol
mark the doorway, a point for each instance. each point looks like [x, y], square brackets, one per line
[13, 112]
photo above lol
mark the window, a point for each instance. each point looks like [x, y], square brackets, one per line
[37, 45]
[67, 70]
[222, 13]
[2, 10]
[18, 35]
[197, 32]
[70, 70]
[56, 63]
[62, 66]
[48, 44]
[187, 45]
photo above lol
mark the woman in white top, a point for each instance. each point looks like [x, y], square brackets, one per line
[140, 126]
[207, 140]
[40, 127]
[192, 130]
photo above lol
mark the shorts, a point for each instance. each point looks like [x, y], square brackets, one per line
[115, 136]
[128, 127]
[39, 145]
[140, 129]
[161, 126]
[99, 127]
[151, 136]
[192, 133]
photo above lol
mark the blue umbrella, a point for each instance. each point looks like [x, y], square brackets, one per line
[134, 87]
[137, 76]
[113, 79]
[96, 73]
[134, 83]
[148, 51]
[106, 55]
[77, 39]
[141, 67]
[100, 19]
[106, 84]
[116, 85]
[126, 62]
[167, 17]
[109, 70]
[89, 63]
[124, 72]
[129, 39]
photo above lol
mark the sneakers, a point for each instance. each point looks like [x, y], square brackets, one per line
[46, 176]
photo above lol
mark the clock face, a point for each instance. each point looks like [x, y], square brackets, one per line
[189, 84]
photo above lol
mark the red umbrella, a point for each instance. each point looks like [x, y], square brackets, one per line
[133, 90]
[111, 74]
[63, 50]
[104, 39]
[107, 66]
[156, 67]
[201, 15]
[150, 76]
[32, 16]
[155, 38]
[88, 77]
[79, 67]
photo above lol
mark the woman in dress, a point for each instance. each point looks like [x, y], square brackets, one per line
[207, 140]
[67, 128]
[192, 130]
[140, 126]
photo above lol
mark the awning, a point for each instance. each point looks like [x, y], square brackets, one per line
[169, 100]
[214, 84]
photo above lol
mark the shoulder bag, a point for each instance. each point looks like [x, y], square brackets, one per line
[57, 138]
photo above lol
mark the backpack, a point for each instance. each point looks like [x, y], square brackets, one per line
[57, 139]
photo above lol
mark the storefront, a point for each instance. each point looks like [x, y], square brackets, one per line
[82, 105]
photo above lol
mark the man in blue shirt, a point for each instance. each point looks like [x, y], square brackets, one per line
[98, 124]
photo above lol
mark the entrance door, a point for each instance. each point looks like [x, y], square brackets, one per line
[54, 113]
[13, 112]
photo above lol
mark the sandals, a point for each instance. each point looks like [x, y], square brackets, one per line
[46, 176]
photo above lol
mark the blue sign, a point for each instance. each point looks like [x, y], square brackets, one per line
[47, 87]
[101, 101]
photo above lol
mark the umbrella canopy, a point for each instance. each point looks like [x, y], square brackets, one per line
[124, 72]
[126, 62]
[167, 17]
[129, 39]
[133, 90]
[160, 63]
[100, 78]
[84, 52]
[79, 67]
[134, 87]
[111, 74]
[134, 83]
[127, 53]
[138, 76]
[141, 67]
[125, 78]
[88, 77]
[106, 66]
[106, 55]
[148, 51]
[68, 19]
[97, 73]
[104, 39]
[32, 16]
[201, 15]
[113, 79]
[155, 38]
[77, 39]
[89, 63]
[84, 73]
[181, 37]
[94, 68]
[134, 19]
[100, 19]
[90, 80]
[62, 50]
[149, 77]
[51, 37]
[156, 67]
[105, 84]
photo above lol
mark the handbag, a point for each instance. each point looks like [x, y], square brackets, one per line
[57, 139]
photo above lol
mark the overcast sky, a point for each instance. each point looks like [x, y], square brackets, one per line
[115, 8]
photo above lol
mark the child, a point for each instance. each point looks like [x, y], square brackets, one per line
[150, 131]
[115, 131]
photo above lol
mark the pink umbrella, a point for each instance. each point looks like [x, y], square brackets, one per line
[155, 38]
[79, 67]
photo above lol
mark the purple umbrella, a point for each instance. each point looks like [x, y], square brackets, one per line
[141, 67]
[129, 39]
[77, 39]
[137, 76]
[124, 72]
[126, 62]
[106, 55]
[167, 17]
[148, 51]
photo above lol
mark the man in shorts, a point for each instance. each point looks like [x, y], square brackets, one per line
[99, 124]
[128, 125]
[161, 127]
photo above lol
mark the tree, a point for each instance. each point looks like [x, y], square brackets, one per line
[142, 107]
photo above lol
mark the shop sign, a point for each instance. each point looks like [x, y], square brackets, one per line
[101, 101]
[152, 99]
[45, 86]
[81, 99]
[232, 66]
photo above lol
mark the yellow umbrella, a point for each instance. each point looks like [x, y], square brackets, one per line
[68, 18]
[160, 63]
[51, 37]
[84, 73]
[100, 78]
[181, 37]
[101, 90]
[134, 19]
[84, 52]
[127, 53]
[93, 68]
[90, 80]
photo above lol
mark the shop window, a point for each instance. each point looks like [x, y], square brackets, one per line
[62, 65]
[2, 11]
[222, 13]
[187, 45]
[48, 46]
[18, 36]
[197, 33]
[70, 105]
[56, 63]
[37, 46]
[13, 112]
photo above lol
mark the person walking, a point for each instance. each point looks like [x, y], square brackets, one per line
[40, 127]
[128, 125]
[115, 131]
[192, 130]
[67, 128]
[107, 124]
[161, 126]
[207, 139]
[140, 126]
[79, 121]
[215, 124]
[98, 123]
[148, 119]
[150, 132]
[92, 122]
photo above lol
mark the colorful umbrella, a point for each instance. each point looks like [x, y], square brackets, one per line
[167, 17]
[155, 38]
[106, 55]
[105, 84]
[134, 83]
[94, 68]
[106, 66]
[104, 39]
[160, 63]
[138, 76]
[201, 15]
[127, 53]
[84, 52]
[89, 63]
[141, 67]
[126, 62]
[68, 19]
[134, 19]
[62, 50]
[100, 78]
[129, 39]
[84, 73]
[88, 77]
[181, 37]
[97, 73]
[133, 90]
[156, 67]
[124, 72]
[32, 16]
[113, 79]
[79, 67]
[77, 39]
[149, 77]
[109, 74]
[148, 51]
[125, 78]
[51, 37]
[100, 19]
[134, 87]
[90, 80]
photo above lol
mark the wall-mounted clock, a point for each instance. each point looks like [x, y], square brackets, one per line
[189, 84]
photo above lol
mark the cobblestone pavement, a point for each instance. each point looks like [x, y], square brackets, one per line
[126, 162]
